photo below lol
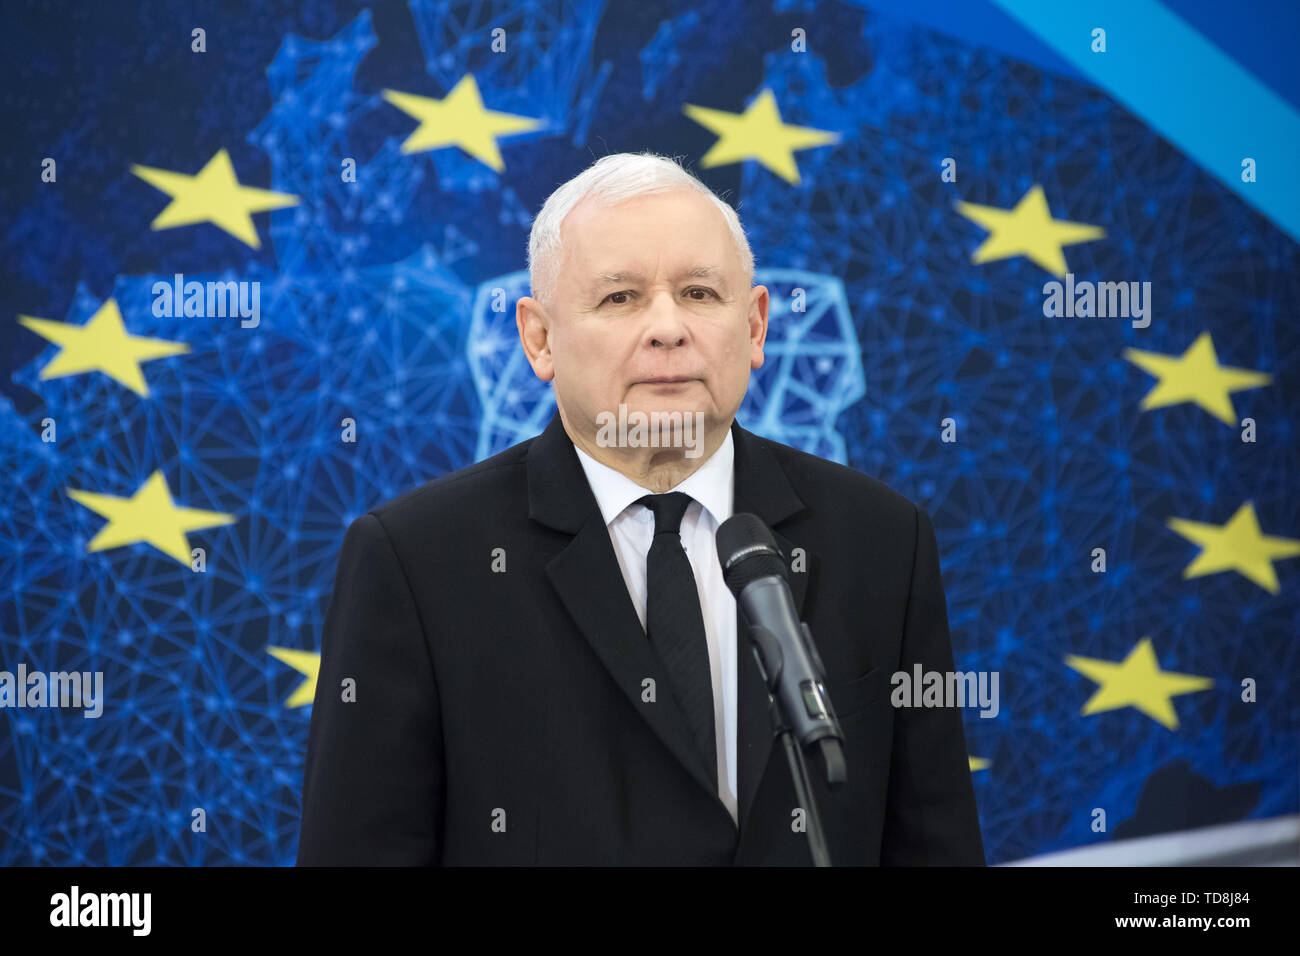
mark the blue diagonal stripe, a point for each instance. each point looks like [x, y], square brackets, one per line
[1186, 88]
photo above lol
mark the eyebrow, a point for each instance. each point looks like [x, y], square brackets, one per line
[615, 278]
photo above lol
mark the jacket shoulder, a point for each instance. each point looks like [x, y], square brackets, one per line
[846, 489]
[494, 478]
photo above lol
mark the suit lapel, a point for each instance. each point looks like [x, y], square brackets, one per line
[586, 575]
[762, 489]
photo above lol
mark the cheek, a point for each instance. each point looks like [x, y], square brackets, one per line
[592, 360]
[592, 345]
[737, 347]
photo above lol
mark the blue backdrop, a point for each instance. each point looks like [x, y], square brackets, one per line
[389, 301]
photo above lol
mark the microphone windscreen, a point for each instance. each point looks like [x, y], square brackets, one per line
[747, 551]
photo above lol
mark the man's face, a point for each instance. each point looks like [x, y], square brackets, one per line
[649, 289]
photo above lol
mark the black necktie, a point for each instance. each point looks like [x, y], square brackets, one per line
[675, 623]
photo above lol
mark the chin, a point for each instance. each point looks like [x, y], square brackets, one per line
[669, 408]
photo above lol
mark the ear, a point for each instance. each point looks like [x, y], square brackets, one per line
[758, 306]
[534, 326]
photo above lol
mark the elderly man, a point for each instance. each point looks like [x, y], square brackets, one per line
[535, 660]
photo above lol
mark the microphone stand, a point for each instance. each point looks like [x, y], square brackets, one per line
[832, 755]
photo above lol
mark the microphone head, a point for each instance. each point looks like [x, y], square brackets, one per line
[747, 551]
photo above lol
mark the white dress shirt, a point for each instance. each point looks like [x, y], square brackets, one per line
[631, 529]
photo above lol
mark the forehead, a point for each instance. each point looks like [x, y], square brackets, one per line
[680, 234]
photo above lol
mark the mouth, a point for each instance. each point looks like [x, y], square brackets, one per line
[666, 380]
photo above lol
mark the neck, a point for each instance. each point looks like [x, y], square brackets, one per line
[659, 469]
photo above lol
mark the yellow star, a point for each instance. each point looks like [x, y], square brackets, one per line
[1195, 376]
[305, 662]
[212, 195]
[149, 516]
[459, 119]
[101, 345]
[757, 133]
[1027, 230]
[979, 763]
[1137, 681]
[1236, 546]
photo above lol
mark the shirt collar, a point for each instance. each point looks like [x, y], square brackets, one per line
[712, 484]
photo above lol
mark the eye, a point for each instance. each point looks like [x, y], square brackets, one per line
[698, 288]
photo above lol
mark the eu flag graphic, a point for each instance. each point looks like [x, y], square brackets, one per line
[1034, 266]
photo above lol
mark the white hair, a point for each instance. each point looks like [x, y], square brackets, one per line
[610, 180]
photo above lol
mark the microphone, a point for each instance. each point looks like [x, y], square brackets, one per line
[755, 572]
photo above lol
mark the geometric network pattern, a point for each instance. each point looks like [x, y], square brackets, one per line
[377, 321]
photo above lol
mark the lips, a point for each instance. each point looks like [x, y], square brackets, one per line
[666, 380]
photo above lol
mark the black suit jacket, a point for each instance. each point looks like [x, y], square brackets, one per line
[498, 715]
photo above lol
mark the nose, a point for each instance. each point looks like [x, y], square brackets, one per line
[666, 327]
